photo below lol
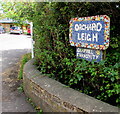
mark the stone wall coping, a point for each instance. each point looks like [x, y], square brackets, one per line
[81, 100]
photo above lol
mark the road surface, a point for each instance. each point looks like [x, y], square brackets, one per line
[12, 47]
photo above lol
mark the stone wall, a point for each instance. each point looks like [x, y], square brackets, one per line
[52, 96]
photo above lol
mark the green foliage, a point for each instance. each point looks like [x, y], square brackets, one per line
[25, 58]
[18, 11]
[55, 56]
[38, 110]
[20, 89]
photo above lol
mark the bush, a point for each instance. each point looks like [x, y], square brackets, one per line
[55, 57]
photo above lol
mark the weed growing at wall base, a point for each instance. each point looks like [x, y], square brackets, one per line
[25, 58]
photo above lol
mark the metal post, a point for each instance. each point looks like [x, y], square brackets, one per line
[32, 42]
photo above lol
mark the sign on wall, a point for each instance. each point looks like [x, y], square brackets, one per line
[89, 54]
[90, 32]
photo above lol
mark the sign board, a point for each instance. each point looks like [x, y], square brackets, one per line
[90, 32]
[89, 54]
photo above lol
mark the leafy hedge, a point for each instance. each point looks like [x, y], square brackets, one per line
[55, 57]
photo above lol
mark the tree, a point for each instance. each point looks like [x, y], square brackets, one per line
[19, 11]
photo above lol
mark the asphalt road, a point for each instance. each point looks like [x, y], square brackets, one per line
[12, 47]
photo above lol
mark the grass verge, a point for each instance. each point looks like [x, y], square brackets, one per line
[25, 59]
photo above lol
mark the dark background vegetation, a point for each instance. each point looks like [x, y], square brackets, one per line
[55, 57]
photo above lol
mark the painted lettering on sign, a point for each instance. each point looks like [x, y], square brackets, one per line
[89, 54]
[94, 26]
[90, 32]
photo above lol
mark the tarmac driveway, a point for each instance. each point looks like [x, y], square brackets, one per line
[12, 47]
